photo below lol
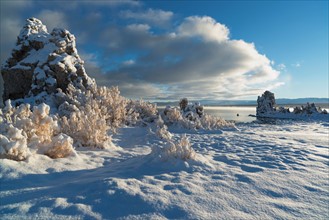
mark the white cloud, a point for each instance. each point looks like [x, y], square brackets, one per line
[128, 62]
[212, 67]
[139, 27]
[113, 3]
[297, 64]
[205, 27]
[157, 17]
[281, 66]
[53, 19]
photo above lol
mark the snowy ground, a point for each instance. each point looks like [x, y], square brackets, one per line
[263, 171]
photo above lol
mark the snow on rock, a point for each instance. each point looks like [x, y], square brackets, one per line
[266, 108]
[265, 103]
[42, 63]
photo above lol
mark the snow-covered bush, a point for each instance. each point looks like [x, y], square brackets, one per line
[42, 126]
[87, 126]
[60, 146]
[162, 130]
[24, 131]
[171, 149]
[172, 115]
[175, 150]
[140, 112]
[115, 106]
[108, 101]
[13, 143]
[192, 117]
[212, 122]
[88, 115]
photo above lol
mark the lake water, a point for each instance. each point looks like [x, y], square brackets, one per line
[230, 113]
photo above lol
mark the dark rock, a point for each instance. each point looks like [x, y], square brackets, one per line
[42, 63]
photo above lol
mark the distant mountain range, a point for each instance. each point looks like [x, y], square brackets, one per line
[299, 101]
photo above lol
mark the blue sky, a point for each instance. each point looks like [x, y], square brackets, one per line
[165, 50]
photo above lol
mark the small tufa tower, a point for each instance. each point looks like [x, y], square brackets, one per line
[265, 103]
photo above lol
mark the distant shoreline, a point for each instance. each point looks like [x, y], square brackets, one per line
[319, 102]
[322, 105]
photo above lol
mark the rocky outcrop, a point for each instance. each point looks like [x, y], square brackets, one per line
[265, 103]
[266, 108]
[43, 63]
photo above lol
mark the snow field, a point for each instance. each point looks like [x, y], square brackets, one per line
[262, 171]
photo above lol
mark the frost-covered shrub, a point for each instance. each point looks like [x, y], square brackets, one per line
[110, 105]
[115, 105]
[43, 126]
[172, 115]
[60, 146]
[162, 130]
[87, 126]
[175, 150]
[211, 122]
[172, 149]
[88, 115]
[24, 131]
[192, 117]
[140, 112]
[13, 143]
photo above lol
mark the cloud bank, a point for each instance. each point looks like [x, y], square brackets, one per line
[149, 53]
[197, 60]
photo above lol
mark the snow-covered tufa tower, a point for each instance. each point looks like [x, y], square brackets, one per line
[43, 63]
[265, 103]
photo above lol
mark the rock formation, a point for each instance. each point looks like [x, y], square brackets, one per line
[265, 103]
[266, 108]
[43, 63]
